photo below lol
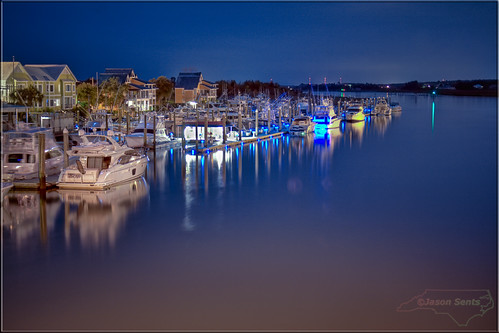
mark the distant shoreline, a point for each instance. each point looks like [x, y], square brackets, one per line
[441, 92]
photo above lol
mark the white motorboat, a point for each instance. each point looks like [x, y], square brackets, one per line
[20, 153]
[301, 126]
[156, 135]
[6, 186]
[395, 106]
[383, 108]
[334, 120]
[354, 112]
[102, 162]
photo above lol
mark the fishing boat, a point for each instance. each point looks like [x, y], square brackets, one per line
[354, 112]
[20, 153]
[102, 162]
[156, 135]
[301, 126]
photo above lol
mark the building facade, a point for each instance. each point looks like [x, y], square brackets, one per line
[141, 94]
[56, 82]
[192, 87]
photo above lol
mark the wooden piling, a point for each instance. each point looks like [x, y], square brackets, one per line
[240, 125]
[66, 146]
[127, 123]
[206, 131]
[41, 163]
[256, 120]
[154, 132]
[224, 129]
[145, 130]
[269, 122]
[197, 122]
[280, 118]
[183, 136]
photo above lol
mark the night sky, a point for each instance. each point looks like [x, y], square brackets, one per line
[288, 42]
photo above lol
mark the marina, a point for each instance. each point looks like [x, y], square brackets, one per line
[272, 232]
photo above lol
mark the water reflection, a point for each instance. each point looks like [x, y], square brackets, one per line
[99, 216]
[27, 214]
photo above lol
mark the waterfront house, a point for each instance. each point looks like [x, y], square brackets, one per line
[141, 94]
[192, 87]
[56, 82]
[14, 76]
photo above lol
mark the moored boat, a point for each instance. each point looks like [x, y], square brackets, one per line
[354, 112]
[20, 153]
[301, 126]
[156, 135]
[102, 162]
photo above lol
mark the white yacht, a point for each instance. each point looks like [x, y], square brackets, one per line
[102, 163]
[334, 120]
[354, 112]
[301, 126]
[156, 136]
[383, 108]
[395, 106]
[20, 153]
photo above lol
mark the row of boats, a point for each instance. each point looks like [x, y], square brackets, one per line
[354, 112]
[100, 159]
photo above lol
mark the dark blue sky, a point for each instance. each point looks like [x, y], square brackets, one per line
[289, 42]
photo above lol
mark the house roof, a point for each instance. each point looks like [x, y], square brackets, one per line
[44, 72]
[142, 81]
[132, 85]
[188, 81]
[121, 74]
[126, 71]
[207, 86]
[8, 66]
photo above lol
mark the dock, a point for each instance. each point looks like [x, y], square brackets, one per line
[34, 183]
[207, 150]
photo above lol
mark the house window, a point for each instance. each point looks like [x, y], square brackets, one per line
[67, 102]
[68, 87]
[74, 88]
[50, 87]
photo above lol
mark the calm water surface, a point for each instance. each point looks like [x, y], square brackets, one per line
[365, 229]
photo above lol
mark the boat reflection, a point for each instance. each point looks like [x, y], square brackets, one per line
[98, 216]
[354, 132]
[380, 124]
[27, 214]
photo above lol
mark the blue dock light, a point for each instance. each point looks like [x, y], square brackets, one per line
[208, 151]
[193, 152]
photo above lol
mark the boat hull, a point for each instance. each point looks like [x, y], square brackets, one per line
[72, 178]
